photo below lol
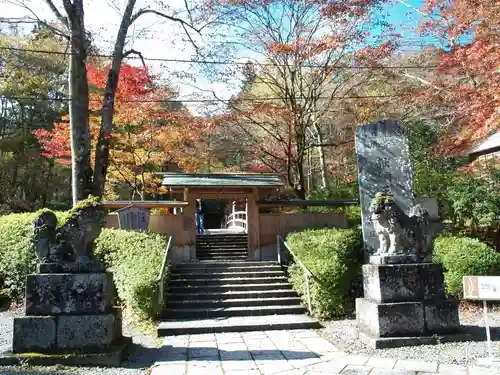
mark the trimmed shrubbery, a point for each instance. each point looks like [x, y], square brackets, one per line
[17, 257]
[135, 259]
[334, 257]
[464, 256]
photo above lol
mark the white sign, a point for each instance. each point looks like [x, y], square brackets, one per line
[482, 287]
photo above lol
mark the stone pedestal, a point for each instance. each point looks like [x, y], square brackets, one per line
[405, 304]
[71, 314]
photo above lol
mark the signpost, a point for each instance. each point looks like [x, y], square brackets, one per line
[485, 288]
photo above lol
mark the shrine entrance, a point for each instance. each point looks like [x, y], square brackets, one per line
[237, 195]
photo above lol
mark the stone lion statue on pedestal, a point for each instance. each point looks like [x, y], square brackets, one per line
[71, 242]
[398, 233]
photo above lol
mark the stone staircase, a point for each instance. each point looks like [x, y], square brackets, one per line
[224, 247]
[222, 294]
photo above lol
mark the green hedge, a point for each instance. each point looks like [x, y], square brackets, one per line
[334, 257]
[464, 256]
[135, 259]
[17, 258]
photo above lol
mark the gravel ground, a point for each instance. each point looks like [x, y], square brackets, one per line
[344, 334]
[143, 354]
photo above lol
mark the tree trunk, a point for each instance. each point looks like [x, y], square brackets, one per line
[81, 176]
[321, 154]
[102, 149]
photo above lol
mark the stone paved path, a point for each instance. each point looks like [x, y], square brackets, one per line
[296, 352]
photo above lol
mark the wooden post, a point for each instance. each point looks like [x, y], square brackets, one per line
[189, 225]
[253, 226]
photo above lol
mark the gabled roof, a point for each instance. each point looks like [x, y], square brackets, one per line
[221, 180]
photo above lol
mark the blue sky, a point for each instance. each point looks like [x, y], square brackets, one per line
[161, 39]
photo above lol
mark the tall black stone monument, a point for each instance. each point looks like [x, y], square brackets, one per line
[404, 298]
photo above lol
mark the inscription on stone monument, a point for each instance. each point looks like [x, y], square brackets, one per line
[383, 164]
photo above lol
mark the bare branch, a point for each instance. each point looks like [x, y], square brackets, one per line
[134, 52]
[163, 15]
[57, 13]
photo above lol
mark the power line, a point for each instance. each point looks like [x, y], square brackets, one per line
[354, 97]
[218, 62]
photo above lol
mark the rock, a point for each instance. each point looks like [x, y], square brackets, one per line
[89, 333]
[65, 293]
[403, 282]
[34, 334]
[390, 319]
[71, 267]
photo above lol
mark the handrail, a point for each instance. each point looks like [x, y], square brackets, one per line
[237, 219]
[307, 273]
[161, 275]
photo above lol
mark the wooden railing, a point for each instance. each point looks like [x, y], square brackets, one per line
[161, 275]
[307, 273]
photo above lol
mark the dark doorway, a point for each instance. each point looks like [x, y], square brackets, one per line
[214, 213]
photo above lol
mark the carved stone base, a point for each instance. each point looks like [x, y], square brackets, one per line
[69, 293]
[88, 267]
[393, 259]
[404, 304]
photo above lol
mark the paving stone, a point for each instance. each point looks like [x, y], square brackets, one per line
[303, 333]
[356, 360]
[232, 346]
[383, 363]
[205, 371]
[228, 337]
[212, 353]
[202, 337]
[169, 370]
[330, 367]
[238, 365]
[264, 344]
[267, 355]
[452, 369]
[235, 355]
[356, 370]
[298, 355]
[203, 344]
[414, 365]
[318, 345]
[381, 371]
[274, 367]
[302, 363]
[242, 372]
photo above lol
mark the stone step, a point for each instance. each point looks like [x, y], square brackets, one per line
[222, 275]
[229, 295]
[226, 264]
[236, 302]
[211, 288]
[222, 254]
[237, 324]
[221, 251]
[226, 267]
[221, 258]
[222, 244]
[228, 281]
[216, 312]
[222, 238]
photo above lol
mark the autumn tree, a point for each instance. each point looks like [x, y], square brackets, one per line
[30, 86]
[70, 16]
[147, 133]
[303, 52]
[467, 80]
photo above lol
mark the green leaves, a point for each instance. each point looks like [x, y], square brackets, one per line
[464, 256]
[334, 257]
[135, 259]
